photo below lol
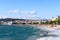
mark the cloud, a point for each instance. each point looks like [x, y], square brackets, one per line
[28, 12]
[22, 12]
[13, 11]
[32, 12]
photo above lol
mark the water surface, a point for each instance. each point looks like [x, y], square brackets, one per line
[10, 32]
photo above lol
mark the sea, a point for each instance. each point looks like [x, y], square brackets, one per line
[13, 32]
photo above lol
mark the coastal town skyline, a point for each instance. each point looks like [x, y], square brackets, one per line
[29, 9]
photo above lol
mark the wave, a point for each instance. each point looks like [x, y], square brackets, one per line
[53, 34]
[28, 33]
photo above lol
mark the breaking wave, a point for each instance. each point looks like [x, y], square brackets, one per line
[28, 33]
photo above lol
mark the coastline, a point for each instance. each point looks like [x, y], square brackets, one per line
[39, 26]
[47, 26]
[55, 30]
[51, 31]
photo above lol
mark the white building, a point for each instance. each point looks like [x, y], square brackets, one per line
[54, 18]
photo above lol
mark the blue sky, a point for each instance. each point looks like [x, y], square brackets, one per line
[29, 8]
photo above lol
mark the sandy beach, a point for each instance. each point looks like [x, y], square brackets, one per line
[48, 26]
[54, 26]
[53, 31]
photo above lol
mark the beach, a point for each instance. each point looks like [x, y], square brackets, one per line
[54, 32]
[47, 26]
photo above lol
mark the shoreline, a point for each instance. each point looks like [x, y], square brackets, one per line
[47, 26]
[39, 25]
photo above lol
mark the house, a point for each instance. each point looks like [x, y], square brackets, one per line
[33, 21]
[54, 18]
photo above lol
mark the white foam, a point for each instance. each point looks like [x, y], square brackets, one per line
[54, 32]
[49, 38]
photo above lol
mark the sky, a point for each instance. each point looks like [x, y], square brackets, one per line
[29, 9]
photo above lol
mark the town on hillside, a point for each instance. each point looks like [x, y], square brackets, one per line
[11, 21]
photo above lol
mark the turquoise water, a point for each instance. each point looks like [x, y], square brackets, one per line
[8, 32]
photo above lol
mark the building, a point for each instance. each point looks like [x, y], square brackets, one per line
[33, 21]
[54, 18]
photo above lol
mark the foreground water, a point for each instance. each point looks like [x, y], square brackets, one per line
[20, 32]
[25, 33]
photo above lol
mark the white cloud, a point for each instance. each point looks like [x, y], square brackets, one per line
[24, 14]
[13, 11]
[32, 12]
[20, 12]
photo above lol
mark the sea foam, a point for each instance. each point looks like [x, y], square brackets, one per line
[53, 34]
